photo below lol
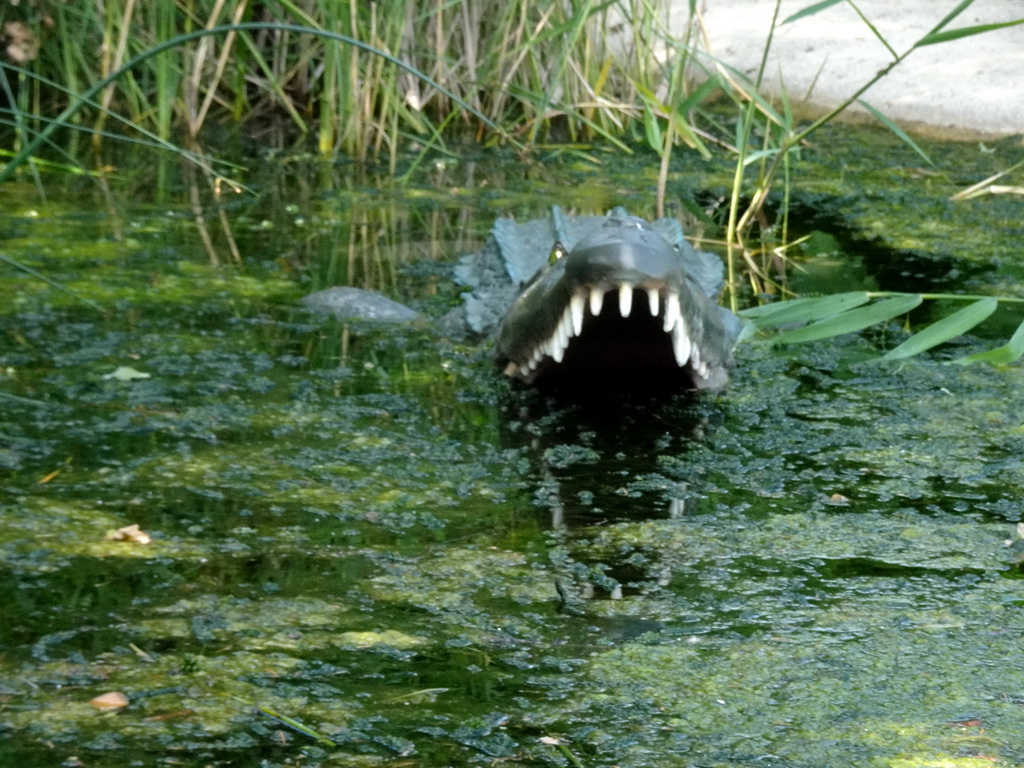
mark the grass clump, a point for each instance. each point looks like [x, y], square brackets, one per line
[360, 78]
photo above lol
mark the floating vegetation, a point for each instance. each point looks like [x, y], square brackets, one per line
[366, 548]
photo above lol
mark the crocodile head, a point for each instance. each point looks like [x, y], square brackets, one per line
[620, 306]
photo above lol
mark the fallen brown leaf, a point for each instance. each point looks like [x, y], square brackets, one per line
[129, 533]
[109, 701]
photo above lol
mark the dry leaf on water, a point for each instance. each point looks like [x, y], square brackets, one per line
[109, 701]
[129, 533]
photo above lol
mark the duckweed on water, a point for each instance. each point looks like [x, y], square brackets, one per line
[366, 532]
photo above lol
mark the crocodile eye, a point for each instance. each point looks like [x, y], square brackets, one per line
[557, 252]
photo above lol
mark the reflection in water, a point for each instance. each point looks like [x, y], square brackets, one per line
[598, 461]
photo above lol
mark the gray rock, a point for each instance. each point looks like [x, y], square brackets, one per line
[345, 302]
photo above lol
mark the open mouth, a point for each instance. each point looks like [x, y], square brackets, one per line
[609, 328]
[622, 307]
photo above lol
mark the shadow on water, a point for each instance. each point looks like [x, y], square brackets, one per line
[839, 257]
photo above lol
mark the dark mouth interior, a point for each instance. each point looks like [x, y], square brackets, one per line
[615, 349]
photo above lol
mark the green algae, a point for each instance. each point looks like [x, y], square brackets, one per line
[364, 531]
[863, 687]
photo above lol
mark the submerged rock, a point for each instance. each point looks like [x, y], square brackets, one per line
[345, 302]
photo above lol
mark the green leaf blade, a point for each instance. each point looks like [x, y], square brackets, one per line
[962, 6]
[1010, 352]
[852, 321]
[803, 310]
[903, 136]
[934, 38]
[652, 131]
[699, 94]
[943, 330]
[811, 10]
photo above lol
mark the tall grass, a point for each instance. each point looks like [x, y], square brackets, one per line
[370, 77]
[542, 71]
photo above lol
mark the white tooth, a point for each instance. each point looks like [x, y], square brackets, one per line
[576, 304]
[560, 338]
[702, 369]
[652, 301]
[557, 346]
[625, 299]
[694, 354]
[681, 343]
[671, 311]
[596, 301]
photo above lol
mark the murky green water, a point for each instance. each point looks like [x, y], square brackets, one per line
[365, 531]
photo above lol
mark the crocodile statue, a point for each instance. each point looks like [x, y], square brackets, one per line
[592, 299]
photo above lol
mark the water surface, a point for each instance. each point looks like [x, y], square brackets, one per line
[368, 548]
